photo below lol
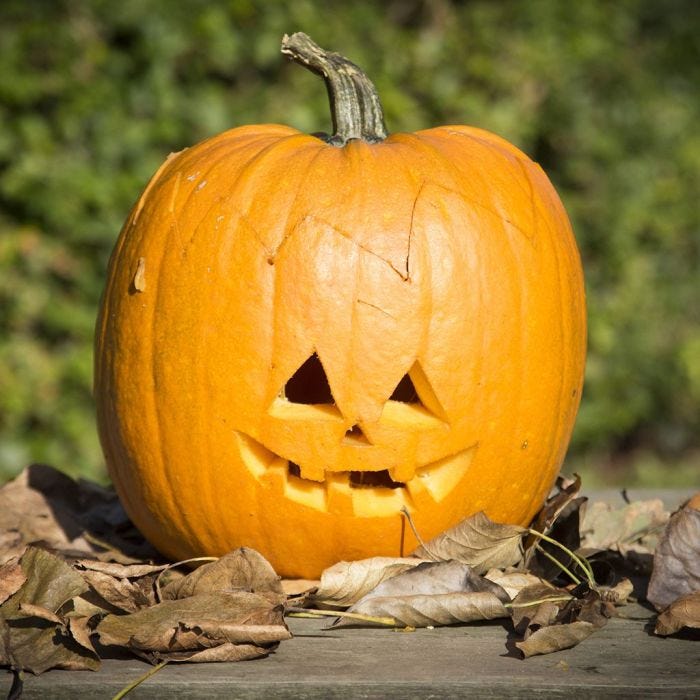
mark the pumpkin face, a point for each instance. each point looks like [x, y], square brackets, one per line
[299, 340]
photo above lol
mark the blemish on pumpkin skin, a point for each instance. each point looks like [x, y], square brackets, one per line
[138, 283]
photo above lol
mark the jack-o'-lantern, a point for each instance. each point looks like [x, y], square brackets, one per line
[301, 337]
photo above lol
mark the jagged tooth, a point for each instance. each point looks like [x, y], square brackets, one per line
[312, 472]
[276, 474]
[402, 473]
[339, 493]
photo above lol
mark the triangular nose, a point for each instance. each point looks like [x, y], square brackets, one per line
[355, 436]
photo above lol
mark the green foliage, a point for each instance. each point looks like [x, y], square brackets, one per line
[94, 94]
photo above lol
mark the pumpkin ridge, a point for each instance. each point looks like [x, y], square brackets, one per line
[277, 305]
[212, 166]
[439, 154]
[484, 138]
[165, 470]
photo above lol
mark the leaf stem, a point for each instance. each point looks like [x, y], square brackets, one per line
[584, 565]
[127, 689]
[557, 563]
[557, 599]
[408, 517]
[159, 596]
[306, 612]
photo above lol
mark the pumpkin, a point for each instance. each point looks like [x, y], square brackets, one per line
[302, 336]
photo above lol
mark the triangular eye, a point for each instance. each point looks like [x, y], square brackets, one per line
[415, 389]
[405, 391]
[309, 384]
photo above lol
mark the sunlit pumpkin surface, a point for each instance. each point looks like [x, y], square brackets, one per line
[299, 340]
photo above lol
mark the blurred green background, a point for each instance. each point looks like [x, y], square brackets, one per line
[605, 95]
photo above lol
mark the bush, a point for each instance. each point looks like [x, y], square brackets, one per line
[94, 94]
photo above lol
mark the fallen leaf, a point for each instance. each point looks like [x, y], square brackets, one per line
[180, 629]
[478, 542]
[545, 559]
[426, 610]
[11, 579]
[617, 594]
[223, 652]
[118, 570]
[43, 505]
[433, 593]
[120, 593]
[36, 635]
[126, 587]
[512, 582]
[676, 559]
[346, 582]
[537, 605]
[550, 619]
[432, 578]
[634, 527]
[243, 569]
[555, 638]
[567, 491]
[682, 612]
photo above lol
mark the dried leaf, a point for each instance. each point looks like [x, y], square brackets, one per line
[513, 581]
[223, 652]
[555, 638]
[541, 557]
[537, 605]
[555, 505]
[118, 570]
[683, 612]
[433, 578]
[676, 559]
[44, 505]
[177, 629]
[426, 610]
[11, 579]
[478, 542]
[634, 527]
[617, 594]
[36, 635]
[121, 594]
[29, 610]
[550, 619]
[244, 569]
[346, 582]
[433, 593]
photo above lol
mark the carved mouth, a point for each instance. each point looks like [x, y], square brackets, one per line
[362, 494]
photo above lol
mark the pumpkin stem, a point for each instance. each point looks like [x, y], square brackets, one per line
[355, 107]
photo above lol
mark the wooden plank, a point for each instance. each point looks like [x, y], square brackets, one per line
[622, 660]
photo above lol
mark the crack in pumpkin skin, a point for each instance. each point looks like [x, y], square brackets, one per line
[337, 491]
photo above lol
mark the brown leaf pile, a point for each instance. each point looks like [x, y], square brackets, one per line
[78, 582]
[72, 591]
[481, 570]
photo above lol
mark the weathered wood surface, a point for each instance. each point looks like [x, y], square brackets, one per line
[623, 660]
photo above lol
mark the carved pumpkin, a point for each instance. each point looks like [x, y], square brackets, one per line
[302, 336]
